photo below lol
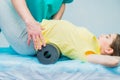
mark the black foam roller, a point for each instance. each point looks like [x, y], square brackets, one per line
[48, 54]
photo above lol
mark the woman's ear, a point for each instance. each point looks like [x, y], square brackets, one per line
[109, 51]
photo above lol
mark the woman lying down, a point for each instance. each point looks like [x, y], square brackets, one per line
[74, 41]
[79, 43]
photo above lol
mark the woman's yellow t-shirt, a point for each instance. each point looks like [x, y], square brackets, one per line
[73, 41]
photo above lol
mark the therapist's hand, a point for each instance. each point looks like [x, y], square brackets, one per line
[35, 34]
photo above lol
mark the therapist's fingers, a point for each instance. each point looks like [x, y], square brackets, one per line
[39, 44]
[38, 41]
[29, 39]
[42, 40]
[35, 41]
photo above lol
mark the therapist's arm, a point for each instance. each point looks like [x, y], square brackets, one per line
[60, 13]
[105, 60]
[33, 27]
[21, 7]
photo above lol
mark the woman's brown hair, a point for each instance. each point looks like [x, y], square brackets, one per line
[116, 46]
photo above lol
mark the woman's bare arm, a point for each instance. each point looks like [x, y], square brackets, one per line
[106, 60]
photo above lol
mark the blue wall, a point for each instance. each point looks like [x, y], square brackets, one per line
[99, 16]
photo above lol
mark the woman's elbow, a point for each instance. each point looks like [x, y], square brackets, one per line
[113, 63]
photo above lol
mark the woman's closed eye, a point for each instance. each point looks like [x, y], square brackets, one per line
[108, 36]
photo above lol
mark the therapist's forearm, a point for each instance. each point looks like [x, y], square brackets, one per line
[23, 11]
[60, 12]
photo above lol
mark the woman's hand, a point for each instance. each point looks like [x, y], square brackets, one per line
[35, 34]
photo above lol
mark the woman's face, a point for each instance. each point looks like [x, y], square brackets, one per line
[106, 40]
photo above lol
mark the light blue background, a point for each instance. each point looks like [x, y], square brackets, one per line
[99, 16]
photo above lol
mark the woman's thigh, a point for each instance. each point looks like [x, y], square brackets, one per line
[14, 28]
